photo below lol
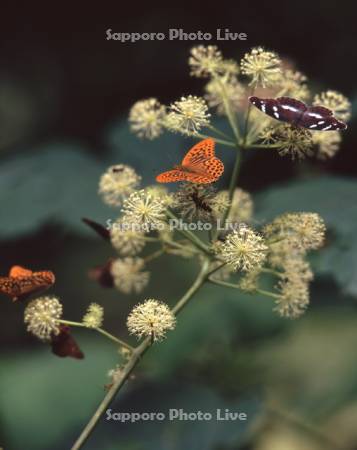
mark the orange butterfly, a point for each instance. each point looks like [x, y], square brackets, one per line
[198, 166]
[23, 282]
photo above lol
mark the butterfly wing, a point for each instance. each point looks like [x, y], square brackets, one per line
[10, 286]
[198, 166]
[172, 176]
[19, 287]
[285, 109]
[320, 111]
[321, 118]
[199, 153]
[201, 163]
[214, 167]
[19, 271]
[64, 344]
[199, 179]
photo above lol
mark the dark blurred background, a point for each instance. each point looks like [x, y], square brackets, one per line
[65, 92]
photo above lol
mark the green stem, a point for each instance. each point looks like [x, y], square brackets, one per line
[154, 255]
[118, 383]
[236, 167]
[201, 278]
[175, 244]
[219, 141]
[223, 283]
[99, 330]
[216, 269]
[151, 239]
[228, 110]
[232, 184]
[263, 146]
[135, 357]
[221, 133]
[190, 236]
[272, 272]
[245, 135]
[268, 293]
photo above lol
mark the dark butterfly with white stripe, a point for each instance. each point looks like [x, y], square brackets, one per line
[296, 113]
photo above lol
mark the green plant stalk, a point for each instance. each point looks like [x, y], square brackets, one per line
[154, 255]
[273, 146]
[236, 286]
[272, 272]
[134, 359]
[190, 236]
[216, 269]
[139, 351]
[219, 141]
[217, 131]
[267, 293]
[223, 283]
[228, 109]
[99, 330]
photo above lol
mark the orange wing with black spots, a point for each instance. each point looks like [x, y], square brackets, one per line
[23, 282]
[200, 165]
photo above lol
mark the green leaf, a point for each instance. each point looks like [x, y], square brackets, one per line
[58, 183]
[316, 358]
[43, 390]
[214, 315]
[334, 198]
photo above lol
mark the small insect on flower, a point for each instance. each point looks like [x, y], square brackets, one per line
[262, 66]
[117, 183]
[93, 318]
[21, 282]
[195, 201]
[129, 276]
[41, 316]
[147, 118]
[144, 211]
[200, 165]
[243, 249]
[188, 115]
[151, 319]
[296, 113]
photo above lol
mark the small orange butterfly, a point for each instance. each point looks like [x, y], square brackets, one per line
[198, 166]
[23, 282]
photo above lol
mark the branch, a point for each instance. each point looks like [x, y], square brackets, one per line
[135, 357]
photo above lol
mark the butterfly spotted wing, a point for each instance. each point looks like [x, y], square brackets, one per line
[23, 282]
[284, 109]
[321, 119]
[296, 113]
[200, 165]
[64, 344]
